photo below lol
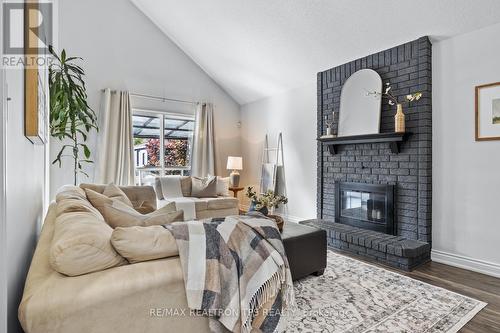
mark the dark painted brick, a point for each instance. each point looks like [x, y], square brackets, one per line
[408, 68]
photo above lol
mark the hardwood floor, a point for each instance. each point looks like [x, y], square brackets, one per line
[479, 286]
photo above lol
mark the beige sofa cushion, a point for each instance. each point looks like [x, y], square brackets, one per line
[81, 244]
[77, 205]
[185, 187]
[138, 244]
[118, 214]
[72, 199]
[215, 213]
[143, 198]
[204, 187]
[201, 204]
[70, 191]
[112, 191]
[221, 203]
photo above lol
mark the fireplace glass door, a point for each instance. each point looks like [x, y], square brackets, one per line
[363, 206]
[368, 206]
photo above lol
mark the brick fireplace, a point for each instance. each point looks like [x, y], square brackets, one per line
[409, 172]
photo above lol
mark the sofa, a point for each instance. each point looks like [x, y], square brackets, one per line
[146, 296]
[221, 205]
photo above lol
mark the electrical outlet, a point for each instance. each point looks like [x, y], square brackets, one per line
[6, 103]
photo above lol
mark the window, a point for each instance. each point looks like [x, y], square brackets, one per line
[155, 157]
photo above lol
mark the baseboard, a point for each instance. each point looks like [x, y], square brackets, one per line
[470, 264]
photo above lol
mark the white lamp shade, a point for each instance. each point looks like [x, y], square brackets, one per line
[234, 163]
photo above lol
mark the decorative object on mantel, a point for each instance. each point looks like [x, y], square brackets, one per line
[71, 118]
[399, 118]
[488, 112]
[265, 202]
[359, 114]
[329, 129]
[234, 163]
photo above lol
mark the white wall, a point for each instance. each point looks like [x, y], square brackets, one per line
[22, 194]
[3, 179]
[122, 49]
[25, 195]
[466, 174]
[294, 114]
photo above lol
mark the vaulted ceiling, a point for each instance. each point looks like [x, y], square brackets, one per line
[257, 48]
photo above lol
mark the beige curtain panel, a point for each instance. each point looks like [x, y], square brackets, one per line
[203, 160]
[115, 140]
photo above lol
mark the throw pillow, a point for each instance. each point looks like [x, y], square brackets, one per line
[118, 214]
[204, 187]
[223, 186]
[81, 244]
[185, 187]
[138, 244]
[114, 192]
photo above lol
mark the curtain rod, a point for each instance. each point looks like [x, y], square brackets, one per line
[163, 99]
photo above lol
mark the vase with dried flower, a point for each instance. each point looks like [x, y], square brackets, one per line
[329, 127]
[264, 202]
[399, 118]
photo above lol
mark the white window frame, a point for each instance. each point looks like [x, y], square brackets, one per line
[161, 116]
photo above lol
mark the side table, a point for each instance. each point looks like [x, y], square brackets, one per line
[235, 190]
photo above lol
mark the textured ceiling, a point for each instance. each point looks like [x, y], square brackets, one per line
[257, 48]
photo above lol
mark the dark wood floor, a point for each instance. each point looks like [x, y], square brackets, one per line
[479, 286]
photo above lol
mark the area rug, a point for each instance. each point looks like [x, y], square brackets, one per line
[353, 296]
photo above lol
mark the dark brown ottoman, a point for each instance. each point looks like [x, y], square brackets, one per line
[305, 248]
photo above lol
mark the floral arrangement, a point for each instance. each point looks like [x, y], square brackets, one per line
[266, 200]
[391, 99]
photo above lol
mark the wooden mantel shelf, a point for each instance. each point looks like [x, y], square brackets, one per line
[394, 139]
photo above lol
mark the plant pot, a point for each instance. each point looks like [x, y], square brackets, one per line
[263, 210]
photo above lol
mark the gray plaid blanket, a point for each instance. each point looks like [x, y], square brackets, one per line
[236, 272]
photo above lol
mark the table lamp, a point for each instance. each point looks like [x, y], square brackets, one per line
[234, 163]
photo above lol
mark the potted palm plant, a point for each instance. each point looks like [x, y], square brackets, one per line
[71, 118]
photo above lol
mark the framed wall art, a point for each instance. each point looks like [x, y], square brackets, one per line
[488, 112]
[36, 76]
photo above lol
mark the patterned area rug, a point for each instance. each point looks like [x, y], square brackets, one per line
[353, 296]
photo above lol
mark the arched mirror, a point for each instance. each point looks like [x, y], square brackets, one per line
[359, 111]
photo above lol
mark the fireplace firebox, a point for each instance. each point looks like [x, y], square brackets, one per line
[367, 206]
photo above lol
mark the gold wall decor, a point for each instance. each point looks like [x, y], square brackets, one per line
[36, 85]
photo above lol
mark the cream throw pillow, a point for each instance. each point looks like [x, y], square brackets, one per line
[138, 244]
[114, 192]
[223, 186]
[204, 187]
[81, 244]
[118, 214]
